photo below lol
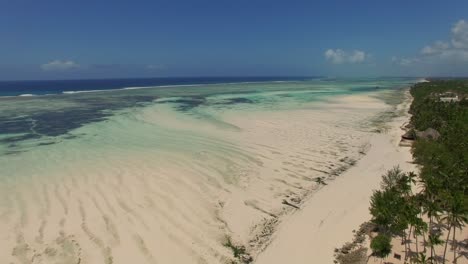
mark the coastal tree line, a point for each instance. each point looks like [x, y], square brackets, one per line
[432, 205]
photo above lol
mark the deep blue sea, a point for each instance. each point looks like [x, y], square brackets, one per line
[15, 88]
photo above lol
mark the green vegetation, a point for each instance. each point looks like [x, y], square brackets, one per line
[444, 173]
[239, 251]
[381, 245]
[441, 201]
[447, 157]
[395, 210]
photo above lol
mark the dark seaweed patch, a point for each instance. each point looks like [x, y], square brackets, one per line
[187, 103]
[238, 100]
[69, 136]
[46, 143]
[13, 152]
[58, 123]
[365, 89]
[33, 125]
[15, 125]
[17, 138]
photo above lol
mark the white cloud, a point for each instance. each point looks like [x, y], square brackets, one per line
[335, 56]
[442, 56]
[404, 61]
[339, 56]
[460, 35]
[59, 65]
[437, 47]
[357, 56]
[455, 50]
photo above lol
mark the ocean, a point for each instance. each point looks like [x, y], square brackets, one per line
[28, 88]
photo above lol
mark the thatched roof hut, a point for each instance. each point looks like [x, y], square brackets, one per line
[429, 133]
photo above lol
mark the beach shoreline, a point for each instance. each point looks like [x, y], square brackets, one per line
[176, 188]
[326, 220]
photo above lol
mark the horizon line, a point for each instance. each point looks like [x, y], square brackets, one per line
[234, 76]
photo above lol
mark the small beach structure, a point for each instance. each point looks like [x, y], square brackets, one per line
[409, 135]
[429, 133]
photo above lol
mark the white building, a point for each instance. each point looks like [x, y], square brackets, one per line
[449, 97]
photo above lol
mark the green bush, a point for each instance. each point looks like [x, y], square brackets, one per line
[381, 245]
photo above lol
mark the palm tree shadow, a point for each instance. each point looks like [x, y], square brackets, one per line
[412, 254]
[462, 249]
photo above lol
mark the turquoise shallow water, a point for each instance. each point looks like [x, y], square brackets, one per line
[39, 132]
[28, 122]
[44, 132]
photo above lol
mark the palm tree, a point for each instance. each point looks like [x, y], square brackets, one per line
[392, 178]
[420, 259]
[382, 209]
[420, 228]
[410, 217]
[457, 217]
[431, 205]
[434, 240]
[432, 209]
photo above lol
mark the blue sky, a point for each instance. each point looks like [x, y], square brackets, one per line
[60, 39]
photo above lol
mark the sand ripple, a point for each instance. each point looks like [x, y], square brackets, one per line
[156, 186]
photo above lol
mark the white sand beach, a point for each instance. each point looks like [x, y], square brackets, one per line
[326, 221]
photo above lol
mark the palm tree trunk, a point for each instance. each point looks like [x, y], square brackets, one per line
[430, 234]
[454, 245]
[424, 242]
[446, 241]
[407, 243]
[423, 235]
[417, 246]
